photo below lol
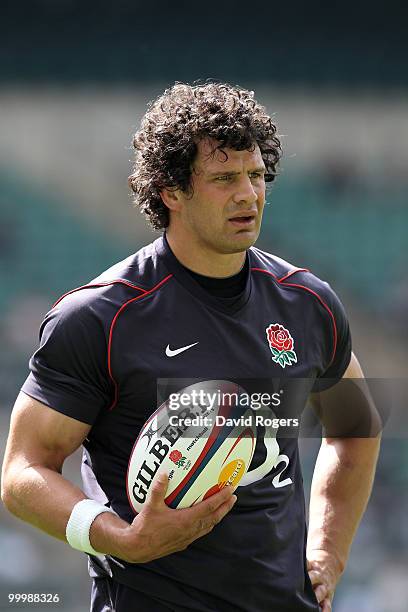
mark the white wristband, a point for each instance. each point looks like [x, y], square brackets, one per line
[79, 524]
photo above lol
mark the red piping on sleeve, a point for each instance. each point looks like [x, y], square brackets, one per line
[323, 303]
[106, 284]
[115, 318]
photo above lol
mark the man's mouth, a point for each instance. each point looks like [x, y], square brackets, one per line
[242, 221]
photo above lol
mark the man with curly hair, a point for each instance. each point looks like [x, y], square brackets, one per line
[200, 302]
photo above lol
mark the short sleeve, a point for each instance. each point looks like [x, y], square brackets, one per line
[69, 370]
[338, 339]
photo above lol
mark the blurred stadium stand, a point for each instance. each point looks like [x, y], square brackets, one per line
[349, 43]
[344, 232]
[75, 79]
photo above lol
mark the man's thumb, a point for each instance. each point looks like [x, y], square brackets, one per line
[159, 489]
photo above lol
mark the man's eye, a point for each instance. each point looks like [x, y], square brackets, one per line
[225, 178]
[255, 175]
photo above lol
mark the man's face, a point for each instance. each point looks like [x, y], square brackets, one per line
[224, 213]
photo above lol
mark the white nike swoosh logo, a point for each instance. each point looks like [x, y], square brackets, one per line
[173, 352]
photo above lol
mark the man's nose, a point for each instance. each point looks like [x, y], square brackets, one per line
[245, 192]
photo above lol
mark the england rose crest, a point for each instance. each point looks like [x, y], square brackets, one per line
[177, 458]
[281, 344]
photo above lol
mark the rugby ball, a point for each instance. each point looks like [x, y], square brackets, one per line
[203, 442]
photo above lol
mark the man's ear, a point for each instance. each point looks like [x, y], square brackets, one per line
[172, 199]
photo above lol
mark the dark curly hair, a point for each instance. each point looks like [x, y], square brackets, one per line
[166, 144]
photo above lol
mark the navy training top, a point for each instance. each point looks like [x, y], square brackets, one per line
[101, 358]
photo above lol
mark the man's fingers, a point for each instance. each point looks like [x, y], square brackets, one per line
[224, 509]
[326, 605]
[315, 577]
[321, 589]
[216, 506]
[204, 524]
[212, 504]
[321, 593]
[194, 522]
[312, 565]
[203, 527]
[207, 522]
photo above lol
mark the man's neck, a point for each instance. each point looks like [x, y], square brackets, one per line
[205, 262]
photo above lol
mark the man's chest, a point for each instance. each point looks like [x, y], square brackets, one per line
[167, 343]
[271, 349]
[177, 336]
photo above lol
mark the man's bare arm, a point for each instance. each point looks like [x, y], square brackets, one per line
[341, 486]
[34, 489]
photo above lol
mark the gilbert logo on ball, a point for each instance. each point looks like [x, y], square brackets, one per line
[199, 459]
[281, 344]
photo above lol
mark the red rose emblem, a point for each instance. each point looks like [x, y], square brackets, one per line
[175, 456]
[279, 337]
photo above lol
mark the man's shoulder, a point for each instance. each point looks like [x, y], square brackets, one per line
[287, 274]
[277, 267]
[133, 277]
[141, 270]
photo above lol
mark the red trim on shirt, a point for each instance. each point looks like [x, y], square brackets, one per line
[115, 318]
[280, 280]
[106, 284]
[323, 303]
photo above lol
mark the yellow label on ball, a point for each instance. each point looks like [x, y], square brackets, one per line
[232, 473]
